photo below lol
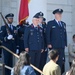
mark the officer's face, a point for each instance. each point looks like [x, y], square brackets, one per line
[10, 20]
[35, 21]
[58, 16]
[40, 20]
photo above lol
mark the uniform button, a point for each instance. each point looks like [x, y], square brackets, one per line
[37, 35]
[38, 40]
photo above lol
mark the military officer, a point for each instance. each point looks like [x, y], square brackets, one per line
[43, 53]
[20, 36]
[8, 38]
[56, 35]
[33, 41]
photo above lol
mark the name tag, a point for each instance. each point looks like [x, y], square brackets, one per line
[40, 30]
[53, 26]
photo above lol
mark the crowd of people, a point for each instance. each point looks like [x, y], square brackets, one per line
[36, 43]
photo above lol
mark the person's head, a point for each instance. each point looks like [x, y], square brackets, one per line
[44, 21]
[58, 14]
[54, 55]
[73, 38]
[72, 70]
[35, 20]
[9, 18]
[40, 20]
[40, 14]
[24, 59]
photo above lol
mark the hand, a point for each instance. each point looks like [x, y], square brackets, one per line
[15, 31]
[49, 46]
[65, 46]
[42, 50]
[17, 51]
[9, 37]
[27, 49]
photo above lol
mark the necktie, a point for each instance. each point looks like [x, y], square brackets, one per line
[11, 27]
[36, 28]
[59, 23]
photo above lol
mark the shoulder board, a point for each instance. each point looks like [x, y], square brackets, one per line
[27, 25]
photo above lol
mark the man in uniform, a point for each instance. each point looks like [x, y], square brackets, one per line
[33, 41]
[8, 40]
[56, 35]
[43, 53]
[20, 36]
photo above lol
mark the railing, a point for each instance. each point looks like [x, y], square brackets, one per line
[3, 66]
[3, 47]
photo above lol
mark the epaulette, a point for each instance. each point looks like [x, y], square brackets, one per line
[27, 25]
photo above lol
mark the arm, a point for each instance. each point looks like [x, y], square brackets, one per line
[26, 37]
[30, 71]
[70, 51]
[57, 71]
[48, 33]
[65, 36]
[4, 34]
[12, 72]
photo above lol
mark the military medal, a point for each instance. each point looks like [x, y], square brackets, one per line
[31, 32]
[40, 30]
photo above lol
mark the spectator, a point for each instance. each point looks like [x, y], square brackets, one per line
[23, 67]
[72, 70]
[71, 49]
[51, 68]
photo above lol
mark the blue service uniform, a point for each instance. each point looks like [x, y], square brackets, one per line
[43, 54]
[33, 39]
[20, 37]
[10, 44]
[56, 36]
[0, 43]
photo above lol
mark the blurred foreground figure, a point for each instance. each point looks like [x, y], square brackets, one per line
[22, 66]
[51, 68]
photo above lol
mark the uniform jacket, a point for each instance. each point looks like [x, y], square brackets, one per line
[11, 44]
[56, 35]
[33, 38]
[20, 37]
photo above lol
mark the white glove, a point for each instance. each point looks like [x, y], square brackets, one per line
[17, 51]
[9, 37]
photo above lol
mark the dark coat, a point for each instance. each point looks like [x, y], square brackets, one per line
[33, 38]
[56, 35]
[11, 44]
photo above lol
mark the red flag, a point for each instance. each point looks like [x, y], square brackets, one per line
[24, 11]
